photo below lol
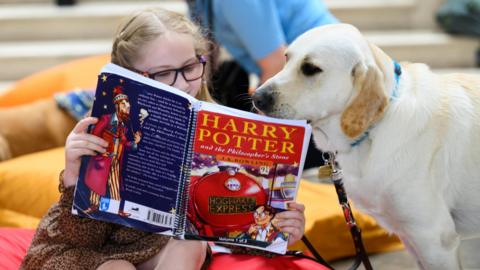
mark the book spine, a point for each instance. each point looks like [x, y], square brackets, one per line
[184, 185]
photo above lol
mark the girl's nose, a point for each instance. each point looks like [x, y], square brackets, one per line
[181, 83]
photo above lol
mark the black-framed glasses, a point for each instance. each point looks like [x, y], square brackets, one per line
[190, 72]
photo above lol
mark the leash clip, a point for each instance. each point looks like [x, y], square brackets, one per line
[335, 171]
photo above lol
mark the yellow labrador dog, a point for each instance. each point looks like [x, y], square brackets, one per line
[408, 140]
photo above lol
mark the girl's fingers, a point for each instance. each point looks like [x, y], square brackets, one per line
[293, 231]
[86, 145]
[294, 214]
[83, 124]
[296, 206]
[294, 234]
[82, 152]
[89, 138]
[290, 223]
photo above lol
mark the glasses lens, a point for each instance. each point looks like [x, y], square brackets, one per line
[190, 73]
[193, 71]
[166, 77]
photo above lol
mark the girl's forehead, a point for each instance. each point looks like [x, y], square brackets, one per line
[171, 49]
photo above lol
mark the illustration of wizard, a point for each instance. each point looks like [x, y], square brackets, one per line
[103, 171]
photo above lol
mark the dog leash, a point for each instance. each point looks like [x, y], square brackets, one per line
[333, 171]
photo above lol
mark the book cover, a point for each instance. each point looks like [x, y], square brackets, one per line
[245, 170]
[178, 166]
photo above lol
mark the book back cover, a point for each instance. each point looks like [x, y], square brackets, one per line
[138, 182]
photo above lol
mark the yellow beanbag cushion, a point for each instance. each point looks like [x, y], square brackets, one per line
[81, 73]
[327, 230]
[13, 219]
[29, 186]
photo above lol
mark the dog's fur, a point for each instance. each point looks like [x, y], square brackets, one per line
[33, 127]
[418, 171]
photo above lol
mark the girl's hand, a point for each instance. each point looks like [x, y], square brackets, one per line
[80, 143]
[292, 221]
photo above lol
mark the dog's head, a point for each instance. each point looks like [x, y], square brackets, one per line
[332, 74]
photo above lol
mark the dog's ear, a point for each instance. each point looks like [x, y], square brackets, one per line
[369, 103]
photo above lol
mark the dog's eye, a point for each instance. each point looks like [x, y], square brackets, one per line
[309, 69]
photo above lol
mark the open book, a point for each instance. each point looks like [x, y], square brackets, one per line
[187, 168]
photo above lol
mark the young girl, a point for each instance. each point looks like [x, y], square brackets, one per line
[167, 47]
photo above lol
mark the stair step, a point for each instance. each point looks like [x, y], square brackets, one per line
[19, 59]
[475, 71]
[92, 20]
[23, 2]
[436, 49]
[82, 21]
[374, 14]
[52, 2]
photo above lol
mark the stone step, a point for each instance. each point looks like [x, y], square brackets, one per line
[52, 2]
[89, 20]
[22, 2]
[375, 14]
[475, 71]
[439, 50]
[92, 20]
[19, 59]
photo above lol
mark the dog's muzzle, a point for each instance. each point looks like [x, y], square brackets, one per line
[263, 98]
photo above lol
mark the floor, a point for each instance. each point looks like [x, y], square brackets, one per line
[401, 260]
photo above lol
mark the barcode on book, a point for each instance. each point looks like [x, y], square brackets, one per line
[160, 218]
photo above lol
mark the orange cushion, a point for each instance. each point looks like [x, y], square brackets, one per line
[80, 73]
[29, 186]
[17, 219]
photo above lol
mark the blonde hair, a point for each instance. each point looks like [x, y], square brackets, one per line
[148, 24]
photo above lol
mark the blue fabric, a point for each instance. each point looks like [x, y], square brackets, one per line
[77, 103]
[252, 29]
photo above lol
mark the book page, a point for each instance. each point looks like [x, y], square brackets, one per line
[245, 169]
[136, 182]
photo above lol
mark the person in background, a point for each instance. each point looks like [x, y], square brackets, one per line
[256, 34]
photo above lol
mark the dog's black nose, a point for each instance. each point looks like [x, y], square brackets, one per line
[263, 99]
